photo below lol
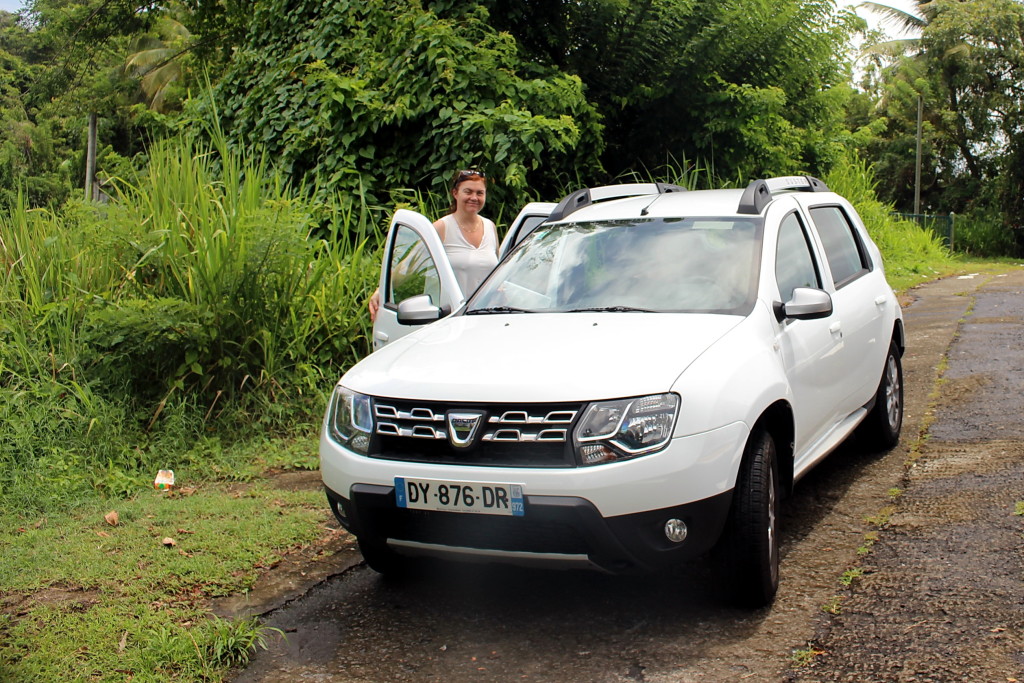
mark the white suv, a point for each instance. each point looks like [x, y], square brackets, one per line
[643, 376]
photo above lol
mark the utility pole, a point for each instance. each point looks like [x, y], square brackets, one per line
[917, 165]
[90, 160]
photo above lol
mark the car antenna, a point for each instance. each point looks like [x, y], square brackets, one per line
[663, 188]
[644, 211]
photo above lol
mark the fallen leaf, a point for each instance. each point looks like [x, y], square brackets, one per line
[103, 534]
[169, 542]
[112, 518]
[124, 642]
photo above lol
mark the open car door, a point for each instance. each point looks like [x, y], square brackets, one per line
[417, 284]
[532, 215]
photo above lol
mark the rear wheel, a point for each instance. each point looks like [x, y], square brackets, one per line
[749, 549]
[880, 430]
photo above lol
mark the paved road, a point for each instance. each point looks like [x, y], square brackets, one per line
[481, 624]
[942, 594]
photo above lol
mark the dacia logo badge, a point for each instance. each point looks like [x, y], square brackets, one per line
[463, 428]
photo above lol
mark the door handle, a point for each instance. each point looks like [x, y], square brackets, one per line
[836, 329]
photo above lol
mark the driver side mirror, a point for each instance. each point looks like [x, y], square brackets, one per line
[806, 304]
[418, 310]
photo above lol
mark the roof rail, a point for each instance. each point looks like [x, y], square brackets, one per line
[585, 197]
[759, 192]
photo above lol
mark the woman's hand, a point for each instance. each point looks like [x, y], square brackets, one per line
[374, 304]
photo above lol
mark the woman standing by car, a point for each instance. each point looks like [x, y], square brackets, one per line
[469, 239]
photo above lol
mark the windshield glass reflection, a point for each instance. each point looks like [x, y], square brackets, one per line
[704, 265]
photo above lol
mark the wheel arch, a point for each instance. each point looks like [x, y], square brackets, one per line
[778, 421]
[899, 335]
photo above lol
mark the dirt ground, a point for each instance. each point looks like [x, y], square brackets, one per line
[903, 566]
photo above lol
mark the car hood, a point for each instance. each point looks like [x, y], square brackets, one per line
[539, 357]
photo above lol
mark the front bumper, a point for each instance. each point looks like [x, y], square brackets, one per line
[554, 531]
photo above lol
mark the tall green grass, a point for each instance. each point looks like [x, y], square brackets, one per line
[206, 295]
[911, 253]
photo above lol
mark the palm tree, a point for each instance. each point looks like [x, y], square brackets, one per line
[155, 59]
[906, 22]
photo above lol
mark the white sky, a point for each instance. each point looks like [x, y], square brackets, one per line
[10, 5]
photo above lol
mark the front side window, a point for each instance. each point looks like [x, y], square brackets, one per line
[847, 258]
[707, 265]
[794, 262]
[411, 270]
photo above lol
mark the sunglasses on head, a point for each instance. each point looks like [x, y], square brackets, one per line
[469, 173]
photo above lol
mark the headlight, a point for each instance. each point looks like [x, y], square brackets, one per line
[350, 419]
[610, 431]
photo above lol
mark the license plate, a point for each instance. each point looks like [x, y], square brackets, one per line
[459, 496]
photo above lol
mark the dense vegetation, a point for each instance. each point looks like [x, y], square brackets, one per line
[248, 159]
[203, 296]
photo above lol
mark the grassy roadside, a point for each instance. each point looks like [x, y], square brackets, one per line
[906, 280]
[122, 590]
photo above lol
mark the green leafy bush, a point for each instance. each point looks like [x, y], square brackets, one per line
[983, 233]
[147, 346]
[370, 96]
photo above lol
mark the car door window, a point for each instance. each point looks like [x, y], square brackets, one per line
[794, 260]
[847, 257]
[412, 270]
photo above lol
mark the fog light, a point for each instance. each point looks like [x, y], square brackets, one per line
[675, 530]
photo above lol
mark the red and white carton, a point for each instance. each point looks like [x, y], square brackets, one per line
[164, 480]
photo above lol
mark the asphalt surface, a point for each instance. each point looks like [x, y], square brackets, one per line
[898, 566]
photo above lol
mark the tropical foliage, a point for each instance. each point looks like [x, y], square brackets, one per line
[964, 70]
[383, 94]
[747, 88]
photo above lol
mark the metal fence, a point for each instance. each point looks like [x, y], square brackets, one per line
[943, 226]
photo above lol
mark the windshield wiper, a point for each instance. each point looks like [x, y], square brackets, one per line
[497, 309]
[611, 309]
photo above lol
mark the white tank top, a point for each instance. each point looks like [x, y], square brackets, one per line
[471, 264]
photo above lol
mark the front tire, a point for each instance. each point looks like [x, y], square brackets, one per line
[383, 560]
[880, 430]
[749, 549]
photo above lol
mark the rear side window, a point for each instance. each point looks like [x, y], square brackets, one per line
[846, 255]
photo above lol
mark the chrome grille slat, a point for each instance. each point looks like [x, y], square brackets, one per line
[530, 427]
[510, 434]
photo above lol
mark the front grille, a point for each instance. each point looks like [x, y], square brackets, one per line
[511, 435]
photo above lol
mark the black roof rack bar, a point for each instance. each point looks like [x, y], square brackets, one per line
[759, 192]
[575, 201]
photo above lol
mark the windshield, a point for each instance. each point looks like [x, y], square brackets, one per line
[702, 265]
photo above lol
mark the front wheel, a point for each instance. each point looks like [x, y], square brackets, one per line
[383, 560]
[881, 428]
[749, 549]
